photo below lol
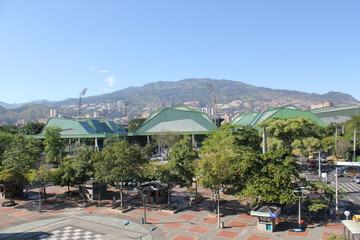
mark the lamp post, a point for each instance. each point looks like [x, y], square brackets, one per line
[299, 196]
[336, 193]
[143, 196]
[39, 208]
[195, 179]
[319, 158]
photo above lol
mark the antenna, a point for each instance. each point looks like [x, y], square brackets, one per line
[83, 92]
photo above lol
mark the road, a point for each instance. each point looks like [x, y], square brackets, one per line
[351, 201]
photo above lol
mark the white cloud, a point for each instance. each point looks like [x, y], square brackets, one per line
[103, 71]
[110, 81]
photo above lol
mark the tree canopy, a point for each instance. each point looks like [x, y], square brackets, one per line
[53, 144]
[287, 134]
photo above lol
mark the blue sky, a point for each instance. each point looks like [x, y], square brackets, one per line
[53, 49]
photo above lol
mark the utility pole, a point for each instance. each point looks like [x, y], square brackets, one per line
[319, 158]
[336, 139]
[336, 193]
[213, 101]
[264, 135]
[354, 146]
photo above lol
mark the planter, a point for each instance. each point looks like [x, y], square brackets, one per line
[124, 209]
[171, 210]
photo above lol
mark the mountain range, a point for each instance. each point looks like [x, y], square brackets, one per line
[231, 96]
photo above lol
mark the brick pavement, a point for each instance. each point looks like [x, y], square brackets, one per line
[194, 222]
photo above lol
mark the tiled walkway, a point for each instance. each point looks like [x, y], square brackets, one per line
[194, 222]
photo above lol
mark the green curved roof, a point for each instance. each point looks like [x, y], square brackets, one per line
[288, 111]
[84, 128]
[243, 119]
[178, 119]
[337, 114]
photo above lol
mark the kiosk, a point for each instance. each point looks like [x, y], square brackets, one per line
[266, 217]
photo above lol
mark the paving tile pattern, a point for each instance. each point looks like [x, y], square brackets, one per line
[194, 222]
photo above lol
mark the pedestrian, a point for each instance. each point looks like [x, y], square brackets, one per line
[26, 193]
[114, 200]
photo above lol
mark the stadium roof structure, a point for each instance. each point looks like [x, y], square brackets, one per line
[288, 111]
[178, 119]
[84, 128]
[337, 114]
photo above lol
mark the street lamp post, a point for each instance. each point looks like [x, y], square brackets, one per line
[319, 158]
[143, 196]
[39, 207]
[195, 179]
[300, 196]
[336, 193]
[39, 200]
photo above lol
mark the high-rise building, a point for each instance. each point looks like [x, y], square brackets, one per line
[52, 113]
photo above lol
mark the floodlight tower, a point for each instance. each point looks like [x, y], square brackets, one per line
[83, 92]
[213, 100]
[126, 109]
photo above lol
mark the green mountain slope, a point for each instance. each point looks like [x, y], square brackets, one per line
[29, 112]
[232, 96]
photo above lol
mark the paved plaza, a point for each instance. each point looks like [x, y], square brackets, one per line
[64, 219]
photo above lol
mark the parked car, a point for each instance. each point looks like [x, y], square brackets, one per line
[340, 174]
[356, 218]
[323, 158]
[331, 162]
[313, 164]
[356, 179]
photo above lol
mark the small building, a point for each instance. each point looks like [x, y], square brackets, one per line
[10, 190]
[94, 190]
[351, 230]
[91, 131]
[179, 119]
[154, 193]
[266, 217]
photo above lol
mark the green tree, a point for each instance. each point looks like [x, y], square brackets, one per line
[166, 140]
[149, 150]
[225, 163]
[42, 176]
[10, 177]
[32, 128]
[273, 179]
[238, 135]
[283, 132]
[327, 191]
[335, 237]
[12, 129]
[180, 168]
[135, 124]
[6, 140]
[117, 163]
[83, 165]
[22, 154]
[328, 144]
[111, 140]
[64, 175]
[307, 145]
[53, 144]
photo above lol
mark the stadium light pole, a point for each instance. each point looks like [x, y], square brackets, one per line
[83, 92]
